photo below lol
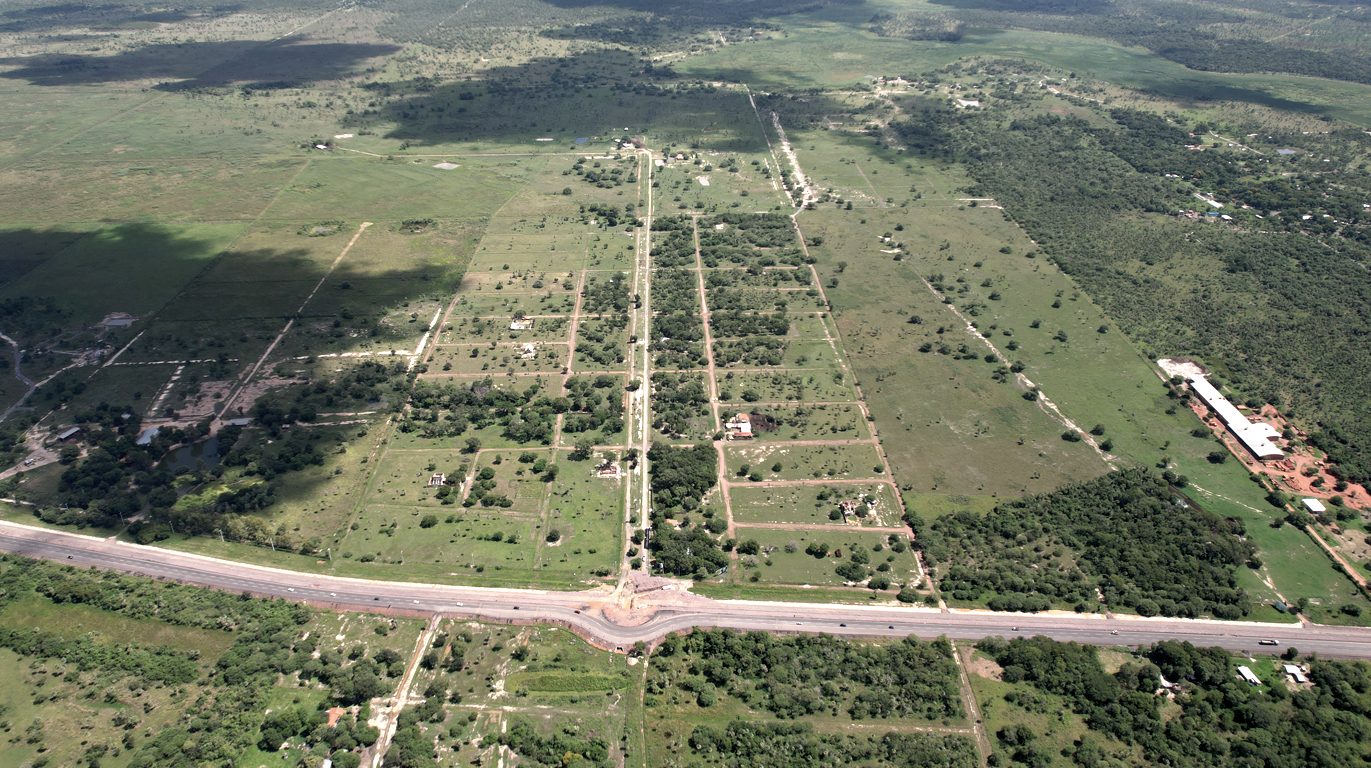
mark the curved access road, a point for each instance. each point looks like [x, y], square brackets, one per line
[582, 613]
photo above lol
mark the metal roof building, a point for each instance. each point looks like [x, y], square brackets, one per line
[1255, 437]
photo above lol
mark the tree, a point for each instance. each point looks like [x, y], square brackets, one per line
[428, 521]
[473, 444]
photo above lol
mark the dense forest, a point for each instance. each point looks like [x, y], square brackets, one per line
[679, 478]
[742, 744]
[1278, 307]
[1222, 721]
[809, 674]
[1125, 540]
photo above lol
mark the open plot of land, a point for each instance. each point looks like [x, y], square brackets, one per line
[800, 567]
[586, 511]
[781, 386]
[774, 423]
[800, 504]
[527, 357]
[805, 462]
[949, 425]
[479, 330]
[497, 304]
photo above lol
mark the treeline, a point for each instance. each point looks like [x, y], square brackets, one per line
[808, 674]
[1126, 535]
[1222, 721]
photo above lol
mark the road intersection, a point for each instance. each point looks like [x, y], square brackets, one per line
[654, 614]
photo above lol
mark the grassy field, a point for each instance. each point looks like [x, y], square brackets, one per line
[259, 191]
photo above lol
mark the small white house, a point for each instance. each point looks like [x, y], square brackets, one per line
[1247, 675]
[1314, 505]
[1295, 673]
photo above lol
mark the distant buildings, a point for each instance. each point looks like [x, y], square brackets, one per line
[1255, 437]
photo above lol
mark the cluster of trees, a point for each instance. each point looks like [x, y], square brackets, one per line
[597, 402]
[599, 340]
[1125, 534]
[673, 242]
[606, 296]
[676, 399]
[675, 290]
[482, 491]
[366, 383]
[744, 744]
[528, 416]
[567, 746]
[1222, 721]
[804, 675]
[161, 664]
[677, 340]
[117, 478]
[606, 178]
[679, 477]
[750, 351]
[727, 323]
[312, 726]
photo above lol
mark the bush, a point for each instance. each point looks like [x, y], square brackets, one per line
[428, 521]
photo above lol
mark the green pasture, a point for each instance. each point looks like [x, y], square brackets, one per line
[804, 462]
[801, 505]
[133, 268]
[760, 386]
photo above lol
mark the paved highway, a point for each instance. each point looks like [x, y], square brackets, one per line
[580, 611]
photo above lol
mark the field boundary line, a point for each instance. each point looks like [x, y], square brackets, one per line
[228, 403]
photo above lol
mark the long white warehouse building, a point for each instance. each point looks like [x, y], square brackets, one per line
[1255, 437]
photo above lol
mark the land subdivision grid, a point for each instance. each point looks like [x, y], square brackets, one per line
[835, 341]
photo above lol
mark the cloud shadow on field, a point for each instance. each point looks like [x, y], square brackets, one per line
[184, 66]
